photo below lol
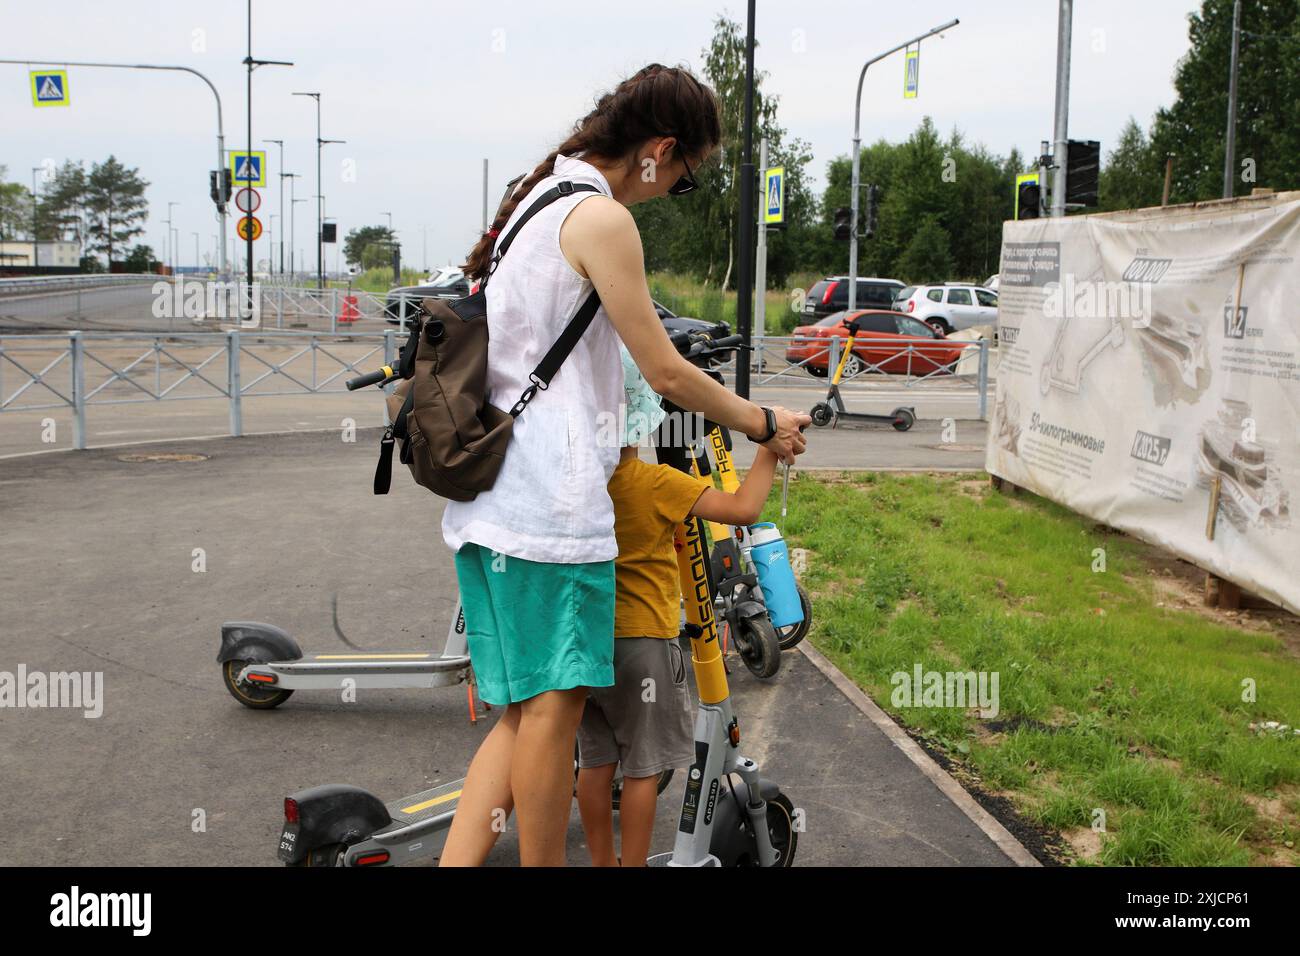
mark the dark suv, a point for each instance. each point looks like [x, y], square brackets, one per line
[831, 295]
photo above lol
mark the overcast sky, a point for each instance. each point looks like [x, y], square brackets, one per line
[424, 91]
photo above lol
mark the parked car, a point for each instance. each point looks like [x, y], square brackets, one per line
[882, 342]
[831, 295]
[454, 286]
[678, 323]
[952, 308]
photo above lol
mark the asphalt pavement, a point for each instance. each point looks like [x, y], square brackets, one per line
[102, 574]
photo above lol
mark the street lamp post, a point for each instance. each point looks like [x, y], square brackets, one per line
[280, 143]
[320, 199]
[253, 64]
[171, 249]
[293, 268]
[36, 258]
[221, 139]
[857, 159]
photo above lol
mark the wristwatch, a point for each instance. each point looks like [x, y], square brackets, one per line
[771, 428]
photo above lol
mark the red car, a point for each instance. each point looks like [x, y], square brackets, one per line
[882, 344]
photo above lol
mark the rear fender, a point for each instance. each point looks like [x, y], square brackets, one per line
[257, 642]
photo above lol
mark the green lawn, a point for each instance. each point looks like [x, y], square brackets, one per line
[1108, 701]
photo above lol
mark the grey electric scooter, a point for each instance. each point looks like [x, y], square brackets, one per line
[261, 665]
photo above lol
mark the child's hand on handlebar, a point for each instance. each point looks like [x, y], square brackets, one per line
[789, 440]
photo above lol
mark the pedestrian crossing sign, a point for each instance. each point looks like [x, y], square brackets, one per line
[912, 73]
[49, 87]
[248, 169]
[774, 195]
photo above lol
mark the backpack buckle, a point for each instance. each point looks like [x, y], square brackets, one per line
[565, 187]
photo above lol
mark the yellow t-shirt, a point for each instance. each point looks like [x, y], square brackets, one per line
[650, 501]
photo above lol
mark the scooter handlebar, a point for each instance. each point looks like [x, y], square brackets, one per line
[371, 378]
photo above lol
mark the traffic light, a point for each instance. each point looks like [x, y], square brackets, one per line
[1027, 198]
[873, 209]
[219, 186]
[843, 222]
[1081, 172]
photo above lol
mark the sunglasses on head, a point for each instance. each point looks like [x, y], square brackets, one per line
[686, 183]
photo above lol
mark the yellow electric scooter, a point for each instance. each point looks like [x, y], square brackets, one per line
[833, 411]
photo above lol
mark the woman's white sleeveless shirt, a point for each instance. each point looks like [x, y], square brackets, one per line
[549, 502]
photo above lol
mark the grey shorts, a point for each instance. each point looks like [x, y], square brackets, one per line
[645, 721]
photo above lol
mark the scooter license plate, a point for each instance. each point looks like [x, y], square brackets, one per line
[289, 843]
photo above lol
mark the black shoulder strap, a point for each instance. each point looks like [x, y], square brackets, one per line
[557, 353]
[564, 188]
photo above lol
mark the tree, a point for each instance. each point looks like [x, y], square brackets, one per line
[15, 208]
[63, 209]
[358, 241]
[1132, 176]
[116, 205]
[141, 259]
[927, 257]
[1268, 87]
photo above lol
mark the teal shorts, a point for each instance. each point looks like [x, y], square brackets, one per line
[533, 626]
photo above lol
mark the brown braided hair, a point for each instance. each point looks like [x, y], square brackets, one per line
[656, 101]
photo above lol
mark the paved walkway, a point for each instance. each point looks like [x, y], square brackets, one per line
[98, 576]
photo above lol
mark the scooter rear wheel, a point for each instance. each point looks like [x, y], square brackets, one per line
[903, 419]
[255, 697]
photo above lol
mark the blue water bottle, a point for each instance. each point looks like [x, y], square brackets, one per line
[775, 576]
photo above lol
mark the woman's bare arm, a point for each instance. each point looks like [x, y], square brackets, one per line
[600, 240]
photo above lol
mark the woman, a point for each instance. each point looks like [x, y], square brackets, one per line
[535, 555]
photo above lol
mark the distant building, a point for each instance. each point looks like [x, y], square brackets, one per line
[56, 254]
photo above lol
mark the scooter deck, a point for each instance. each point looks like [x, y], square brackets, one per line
[419, 807]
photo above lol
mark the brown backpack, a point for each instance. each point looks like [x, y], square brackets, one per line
[452, 438]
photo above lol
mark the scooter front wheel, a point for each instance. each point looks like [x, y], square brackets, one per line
[733, 845]
[822, 414]
[791, 635]
[258, 698]
[759, 646]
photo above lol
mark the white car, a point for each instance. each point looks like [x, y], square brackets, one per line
[444, 275]
[951, 308]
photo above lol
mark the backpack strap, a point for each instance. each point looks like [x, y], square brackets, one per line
[564, 188]
[558, 352]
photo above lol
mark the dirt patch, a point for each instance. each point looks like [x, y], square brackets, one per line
[1178, 584]
[1085, 842]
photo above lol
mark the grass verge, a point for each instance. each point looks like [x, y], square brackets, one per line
[1124, 720]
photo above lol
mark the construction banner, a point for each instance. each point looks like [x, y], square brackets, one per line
[1148, 376]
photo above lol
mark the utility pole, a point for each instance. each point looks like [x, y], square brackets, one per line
[744, 244]
[1061, 132]
[857, 157]
[1229, 156]
[280, 170]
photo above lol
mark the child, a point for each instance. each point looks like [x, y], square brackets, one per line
[645, 721]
